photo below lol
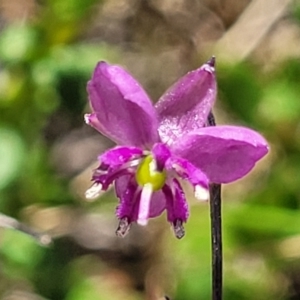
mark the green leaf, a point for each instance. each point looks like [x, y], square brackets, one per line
[12, 153]
[17, 43]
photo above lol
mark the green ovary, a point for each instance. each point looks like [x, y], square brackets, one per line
[147, 174]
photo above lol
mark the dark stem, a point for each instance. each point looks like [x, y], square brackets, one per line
[216, 240]
[216, 233]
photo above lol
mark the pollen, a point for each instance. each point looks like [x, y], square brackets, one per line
[147, 173]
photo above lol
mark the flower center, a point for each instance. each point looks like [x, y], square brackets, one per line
[147, 173]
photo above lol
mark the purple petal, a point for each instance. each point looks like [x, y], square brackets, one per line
[188, 171]
[128, 201]
[92, 120]
[106, 178]
[122, 110]
[120, 155]
[223, 153]
[177, 207]
[185, 106]
[157, 204]
[114, 163]
[161, 154]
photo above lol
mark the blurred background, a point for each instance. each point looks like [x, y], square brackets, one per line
[48, 49]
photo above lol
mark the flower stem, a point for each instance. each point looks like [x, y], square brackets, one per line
[216, 232]
[216, 240]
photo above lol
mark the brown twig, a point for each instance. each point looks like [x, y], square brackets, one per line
[9, 222]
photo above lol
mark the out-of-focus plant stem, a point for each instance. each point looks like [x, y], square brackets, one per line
[9, 222]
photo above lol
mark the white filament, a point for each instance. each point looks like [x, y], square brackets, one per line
[144, 207]
[94, 191]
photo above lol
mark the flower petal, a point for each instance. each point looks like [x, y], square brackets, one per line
[161, 154]
[119, 155]
[195, 176]
[188, 171]
[177, 207]
[127, 207]
[185, 106]
[223, 153]
[122, 110]
[157, 204]
[114, 163]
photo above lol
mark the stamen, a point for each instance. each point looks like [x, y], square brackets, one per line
[94, 191]
[123, 228]
[144, 207]
[178, 229]
[201, 193]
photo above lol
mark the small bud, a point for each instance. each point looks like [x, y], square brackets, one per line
[212, 61]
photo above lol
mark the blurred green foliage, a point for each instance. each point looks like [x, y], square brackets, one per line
[45, 64]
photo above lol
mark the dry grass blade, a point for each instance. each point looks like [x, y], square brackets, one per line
[248, 31]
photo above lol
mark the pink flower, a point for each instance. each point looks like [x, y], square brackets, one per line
[159, 144]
